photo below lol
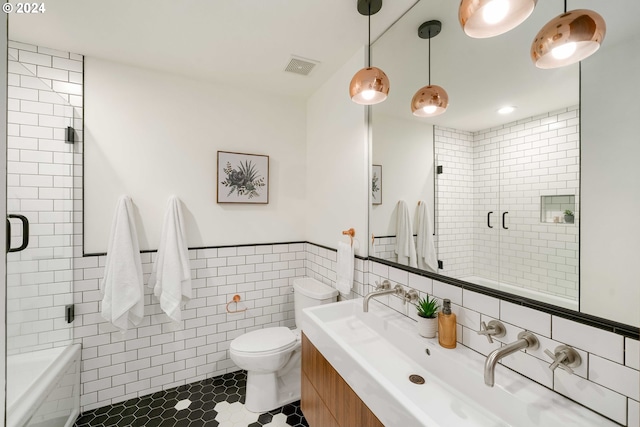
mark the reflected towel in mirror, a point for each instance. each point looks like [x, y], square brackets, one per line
[405, 246]
[425, 244]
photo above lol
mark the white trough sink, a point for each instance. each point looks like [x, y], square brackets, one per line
[376, 352]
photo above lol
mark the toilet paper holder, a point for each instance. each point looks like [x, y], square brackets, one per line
[235, 300]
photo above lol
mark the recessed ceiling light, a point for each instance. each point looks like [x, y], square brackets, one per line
[506, 110]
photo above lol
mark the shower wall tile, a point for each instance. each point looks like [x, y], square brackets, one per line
[41, 176]
[454, 201]
[508, 169]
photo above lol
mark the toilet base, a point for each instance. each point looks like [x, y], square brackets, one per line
[268, 391]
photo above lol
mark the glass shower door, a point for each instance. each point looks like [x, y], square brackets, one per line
[40, 186]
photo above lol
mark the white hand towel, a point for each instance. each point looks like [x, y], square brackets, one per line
[426, 248]
[405, 246]
[122, 287]
[171, 273]
[344, 267]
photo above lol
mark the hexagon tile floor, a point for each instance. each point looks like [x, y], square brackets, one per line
[214, 402]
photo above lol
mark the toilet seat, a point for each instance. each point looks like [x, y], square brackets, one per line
[265, 341]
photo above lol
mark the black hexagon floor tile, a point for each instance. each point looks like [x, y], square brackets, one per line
[158, 409]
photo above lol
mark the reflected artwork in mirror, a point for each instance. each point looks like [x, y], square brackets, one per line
[497, 181]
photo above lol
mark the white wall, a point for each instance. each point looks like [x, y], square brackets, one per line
[151, 135]
[337, 162]
[610, 227]
[408, 178]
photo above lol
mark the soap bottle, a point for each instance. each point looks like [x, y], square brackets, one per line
[447, 326]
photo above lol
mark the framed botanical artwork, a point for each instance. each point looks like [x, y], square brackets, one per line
[376, 185]
[243, 178]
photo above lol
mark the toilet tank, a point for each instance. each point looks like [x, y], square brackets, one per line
[308, 292]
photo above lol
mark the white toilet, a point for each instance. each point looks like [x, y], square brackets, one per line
[271, 356]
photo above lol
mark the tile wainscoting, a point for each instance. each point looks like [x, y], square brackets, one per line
[608, 380]
[159, 355]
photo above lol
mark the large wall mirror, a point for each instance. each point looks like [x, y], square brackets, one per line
[511, 198]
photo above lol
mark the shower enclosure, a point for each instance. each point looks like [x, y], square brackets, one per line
[44, 131]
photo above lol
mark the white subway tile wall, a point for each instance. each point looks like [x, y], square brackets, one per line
[606, 382]
[385, 248]
[41, 186]
[510, 168]
[320, 263]
[158, 354]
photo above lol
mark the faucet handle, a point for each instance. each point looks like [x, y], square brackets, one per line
[494, 329]
[411, 296]
[385, 285]
[564, 357]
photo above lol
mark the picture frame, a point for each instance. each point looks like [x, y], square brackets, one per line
[376, 184]
[242, 178]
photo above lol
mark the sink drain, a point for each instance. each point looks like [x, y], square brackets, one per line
[416, 379]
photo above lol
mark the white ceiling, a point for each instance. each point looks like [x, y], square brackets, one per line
[248, 43]
[482, 75]
[245, 43]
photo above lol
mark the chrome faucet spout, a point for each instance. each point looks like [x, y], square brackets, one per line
[367, 298]
[525, 340]
[383, 289]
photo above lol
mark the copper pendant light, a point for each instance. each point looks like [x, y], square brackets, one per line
[488, 18]
[431, 100]
[370, 85]
[568, 38]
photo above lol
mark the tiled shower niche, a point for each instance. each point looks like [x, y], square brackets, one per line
[553, 208]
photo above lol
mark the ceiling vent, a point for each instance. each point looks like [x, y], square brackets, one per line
[301, 66]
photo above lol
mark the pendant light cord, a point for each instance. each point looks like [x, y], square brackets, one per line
[429, 56]
[369, 45]
[565, 6]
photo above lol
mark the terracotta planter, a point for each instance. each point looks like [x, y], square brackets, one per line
[427, 327]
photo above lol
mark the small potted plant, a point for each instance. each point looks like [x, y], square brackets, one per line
[568, 216]
[427, 316]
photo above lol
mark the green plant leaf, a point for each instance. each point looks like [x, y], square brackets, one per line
[427, 307]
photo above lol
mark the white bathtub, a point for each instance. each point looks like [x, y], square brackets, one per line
[524, 292]
[43, 387]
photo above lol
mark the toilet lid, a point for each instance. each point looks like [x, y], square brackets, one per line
[264, 340]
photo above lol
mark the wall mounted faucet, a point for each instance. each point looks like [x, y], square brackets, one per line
[382, 289]
[525, 340]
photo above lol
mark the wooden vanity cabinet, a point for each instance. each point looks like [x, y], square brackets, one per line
[327, 400]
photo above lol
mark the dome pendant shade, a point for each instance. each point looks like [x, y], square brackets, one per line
[488, 18]
[369, 86]
[429, 101]
[568, 38]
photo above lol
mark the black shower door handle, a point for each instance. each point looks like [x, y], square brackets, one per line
[25, 233]
[489, 220]
[504, 214]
